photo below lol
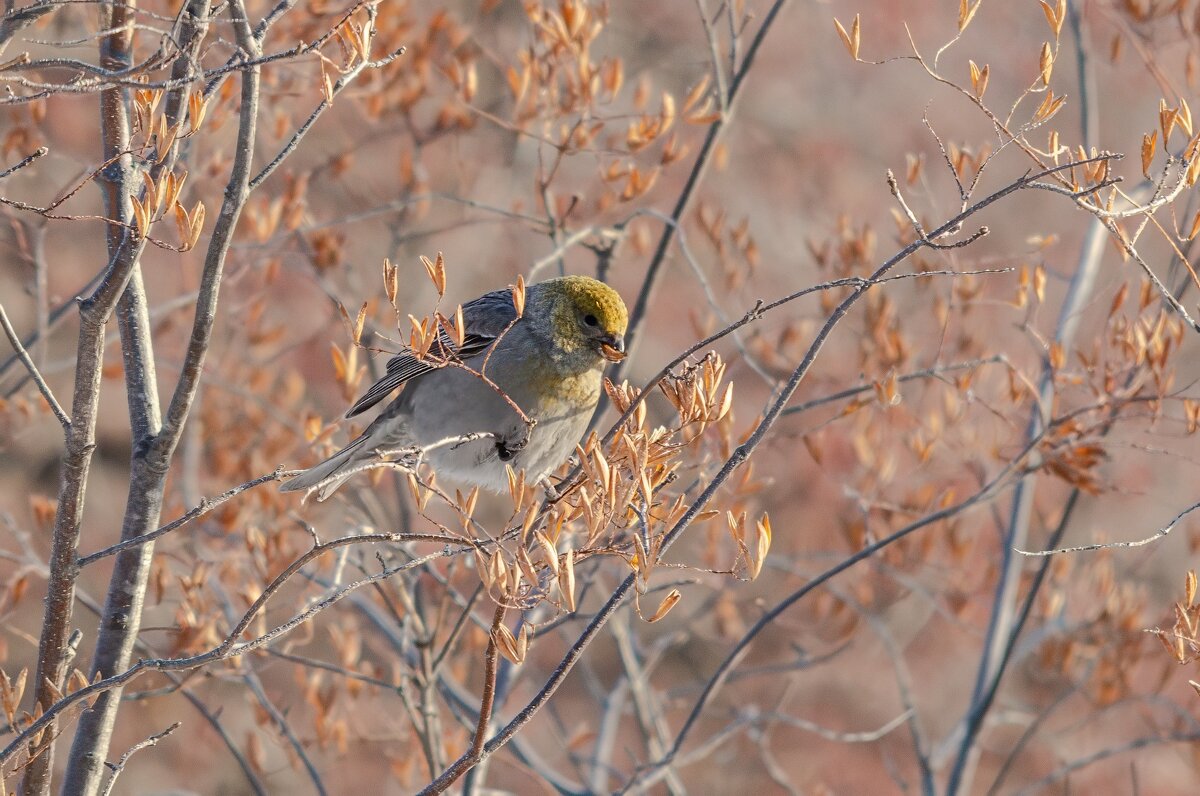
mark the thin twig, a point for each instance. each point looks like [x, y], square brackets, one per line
[1159, 534]
[255, 685]
[119, 766]
[473, 755]
[25, 161]
[1064, 770]
[325, 104]
[42, 386]
[205, 507]
[926, 373]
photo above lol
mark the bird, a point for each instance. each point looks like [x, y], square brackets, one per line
[454, 410]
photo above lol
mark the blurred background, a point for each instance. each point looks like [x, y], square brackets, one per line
[457, 147]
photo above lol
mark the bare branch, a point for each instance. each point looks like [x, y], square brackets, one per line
[205, 507]
[36, 375]
[1166, 529]
[23, 162]
[119, 766]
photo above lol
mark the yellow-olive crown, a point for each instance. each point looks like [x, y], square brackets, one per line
[591, 298]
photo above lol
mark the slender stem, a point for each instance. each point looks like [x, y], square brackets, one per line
[44, 388]
[205, 507]
[119, 766]
[476, 752]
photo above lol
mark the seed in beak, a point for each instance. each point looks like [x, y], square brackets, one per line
[611, 353]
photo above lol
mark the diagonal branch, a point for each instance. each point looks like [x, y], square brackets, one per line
[34, 373]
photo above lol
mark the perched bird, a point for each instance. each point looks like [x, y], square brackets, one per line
[548, 362]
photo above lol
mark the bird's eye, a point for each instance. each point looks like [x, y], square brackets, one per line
[591, 320]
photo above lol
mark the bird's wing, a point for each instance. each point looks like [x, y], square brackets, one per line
[485, 319]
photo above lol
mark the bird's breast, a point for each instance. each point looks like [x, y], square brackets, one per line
[551, 388]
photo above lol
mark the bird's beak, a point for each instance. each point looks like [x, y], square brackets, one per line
[612, 347]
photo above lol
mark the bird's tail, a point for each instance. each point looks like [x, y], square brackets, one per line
[331, 473]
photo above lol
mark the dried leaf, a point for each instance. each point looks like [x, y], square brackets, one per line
[457, 328]
[1050, 106]
[1052, 18]
[762, 545]
[694, 94]
[164, 143]
[507, 644]
[1167, 117]
[668, 112]
[518, 293]
[664, 607]
[141, 217]
[851, 39]
[566, 580]
[174, 189]
[197, 109]
[726, 402]
[357, 329]
[966, 12]
[197, 225]
[436, 269]
[391, 280]
[737, 525]
[55, 694]
[339, 363]
[1123, 291]
[152, 194]
[11, 692]
[549, 551]
[516, 485]
[1149, 146]
[979, 81]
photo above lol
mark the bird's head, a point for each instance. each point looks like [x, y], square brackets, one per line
[586, 315]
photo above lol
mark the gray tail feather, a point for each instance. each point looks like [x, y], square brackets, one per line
[326, 474]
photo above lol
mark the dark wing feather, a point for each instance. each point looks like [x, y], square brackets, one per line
[485, 318]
